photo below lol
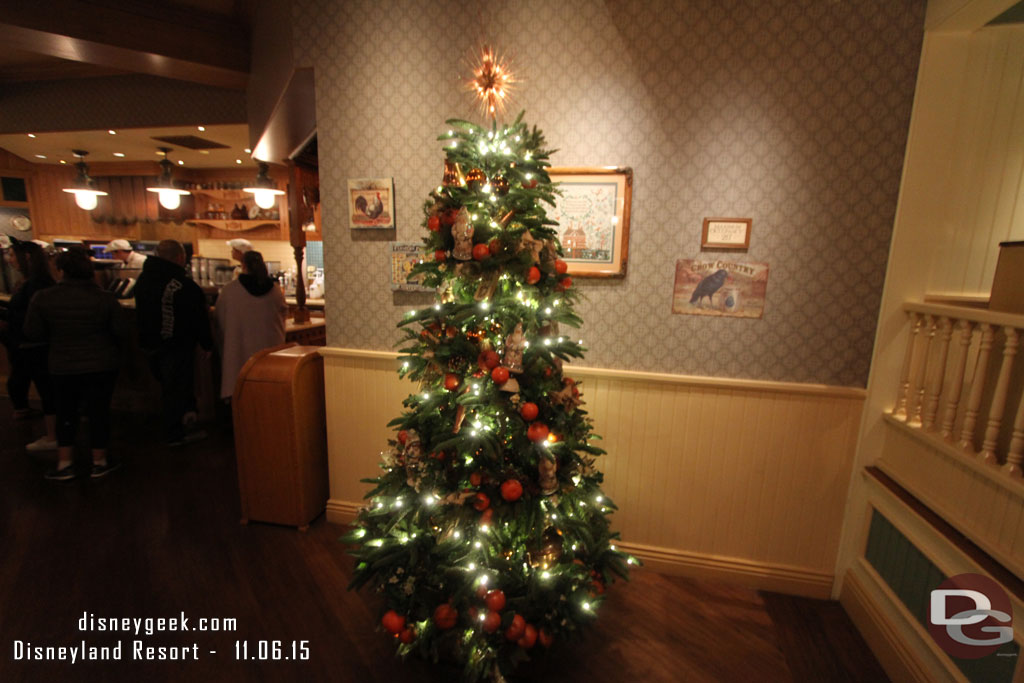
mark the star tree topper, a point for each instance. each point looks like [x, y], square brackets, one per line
[492, 81]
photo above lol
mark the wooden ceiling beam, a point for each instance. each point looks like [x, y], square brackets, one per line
[186, 46]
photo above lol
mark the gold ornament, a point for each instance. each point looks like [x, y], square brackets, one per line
[475, 178]
[452, 174]
[500, 185]
[503, 221]
[549, 552]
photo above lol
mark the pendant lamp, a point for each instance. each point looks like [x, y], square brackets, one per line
[264, 190]
[84, 187]
[168, 195]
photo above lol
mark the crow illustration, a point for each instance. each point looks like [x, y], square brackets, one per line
[708, 286]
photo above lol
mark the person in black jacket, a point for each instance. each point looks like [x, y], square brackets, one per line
[88, 335]
[28, 358]
[173, 318]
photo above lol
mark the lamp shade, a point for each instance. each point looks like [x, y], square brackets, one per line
[168, 195]
[264, 190]
[84, 187]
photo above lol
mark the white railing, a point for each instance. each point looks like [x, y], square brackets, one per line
[969, 395]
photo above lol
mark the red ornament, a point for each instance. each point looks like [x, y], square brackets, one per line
[486, 517]
[448, 217]
[403, 436]
[529, 411]
[481, 502]
[500, 374]
[492, 622]
[450, 332]
[530, 184]
[475, 478]
[561, 266]
[494, 247]
[597, 588]
[516, 628]
[440, 255]
[434, 223]
[409, 634]
[481, 591]
[445, 616]
[537, 431]
[451, 381]
[533, 275]
[488, 360]
[511, 490]
[480, 252]
[545, 637]
[393, 621]
[495, 600]
[564, 284]
[529, 638]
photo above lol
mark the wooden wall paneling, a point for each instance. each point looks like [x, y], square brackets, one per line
[743, 480]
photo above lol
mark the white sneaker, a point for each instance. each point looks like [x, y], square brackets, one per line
[42, 444]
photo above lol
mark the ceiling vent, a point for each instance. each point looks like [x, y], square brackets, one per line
[191, 142]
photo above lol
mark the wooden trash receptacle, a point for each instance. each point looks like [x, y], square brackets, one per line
[281, 436]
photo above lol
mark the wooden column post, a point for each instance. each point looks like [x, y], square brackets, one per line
[297, 238]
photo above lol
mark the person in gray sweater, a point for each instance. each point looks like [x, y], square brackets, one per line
[88, 333]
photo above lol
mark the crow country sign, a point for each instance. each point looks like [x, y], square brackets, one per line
[723, 288]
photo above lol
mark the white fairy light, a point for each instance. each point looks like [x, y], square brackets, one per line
[426, 396]
[478, 545]
[485, 305]
[472, 566]
[586, 606]
[548, 310]
[457, 534]
[599, 499]
[545, 575]
[437, 307]
[484, 529]
[483, 579]
[398, 502]
[376, 543]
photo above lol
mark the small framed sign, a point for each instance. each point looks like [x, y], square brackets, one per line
[726, 233]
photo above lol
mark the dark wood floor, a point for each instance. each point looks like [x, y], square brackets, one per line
[161, 537]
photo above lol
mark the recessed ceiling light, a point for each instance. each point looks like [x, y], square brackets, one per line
[247, 150]
[237, 161]
[118, 154]
[180, 162]
[40, 156]
[205, 151]
[63, 162]
[112, 132]
[201, 128]
[31, 135]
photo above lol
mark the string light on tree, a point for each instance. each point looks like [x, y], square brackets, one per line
[492, 437]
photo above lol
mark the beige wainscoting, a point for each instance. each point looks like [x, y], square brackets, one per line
[739, 480]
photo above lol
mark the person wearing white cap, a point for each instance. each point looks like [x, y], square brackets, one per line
[122, 251]
[239, 247]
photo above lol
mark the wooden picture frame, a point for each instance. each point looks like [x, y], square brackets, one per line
[371, 203]
[593, 218]
[726, 233]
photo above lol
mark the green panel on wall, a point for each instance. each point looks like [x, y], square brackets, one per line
[912, 576]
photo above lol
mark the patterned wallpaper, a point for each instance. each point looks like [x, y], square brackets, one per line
[133, 101]
[791, 112]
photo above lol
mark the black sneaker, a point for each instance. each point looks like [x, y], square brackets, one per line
[63, 474]
[103, 470]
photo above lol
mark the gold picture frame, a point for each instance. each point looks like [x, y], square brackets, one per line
[593, 218]
[726, 233]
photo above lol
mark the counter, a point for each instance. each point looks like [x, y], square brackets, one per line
[138, 391]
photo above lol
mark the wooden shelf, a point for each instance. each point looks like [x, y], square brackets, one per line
[231, 225]
[233, 195]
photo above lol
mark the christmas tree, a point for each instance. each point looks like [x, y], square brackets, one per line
[487, 531]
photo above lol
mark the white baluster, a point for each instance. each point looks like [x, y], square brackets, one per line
[900, 411]
[937, 374]
[953, 401]
[977, 386]
[995, 413]
[917, 373]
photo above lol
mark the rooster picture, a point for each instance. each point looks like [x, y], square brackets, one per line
[372, 208]
[708, 286]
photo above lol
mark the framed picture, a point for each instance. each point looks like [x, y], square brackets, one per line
[371, 203]
[725, 233]
[404, 257]
[732, 289]
[593, 218]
